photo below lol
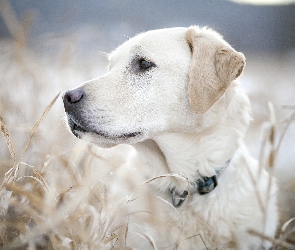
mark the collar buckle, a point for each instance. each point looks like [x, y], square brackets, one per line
[207, 185]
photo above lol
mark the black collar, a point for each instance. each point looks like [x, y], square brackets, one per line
[203, 185]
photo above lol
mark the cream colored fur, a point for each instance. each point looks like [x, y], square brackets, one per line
[185, 115]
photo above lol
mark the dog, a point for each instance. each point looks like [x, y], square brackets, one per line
[173, 95]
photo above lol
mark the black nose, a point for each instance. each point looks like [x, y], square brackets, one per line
[73, 96]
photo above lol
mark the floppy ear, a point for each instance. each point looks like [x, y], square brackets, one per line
[215, 64]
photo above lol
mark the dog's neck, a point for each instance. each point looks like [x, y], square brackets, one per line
[190, 155]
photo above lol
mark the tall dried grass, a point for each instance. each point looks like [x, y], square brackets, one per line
[53, 195]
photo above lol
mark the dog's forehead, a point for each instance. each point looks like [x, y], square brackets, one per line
[150, 41]
[160, 37]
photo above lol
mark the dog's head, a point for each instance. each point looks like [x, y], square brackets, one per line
[159, 81]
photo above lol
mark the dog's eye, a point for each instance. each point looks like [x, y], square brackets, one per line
[144, 64]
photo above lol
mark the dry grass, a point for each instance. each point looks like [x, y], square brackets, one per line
[52, 194]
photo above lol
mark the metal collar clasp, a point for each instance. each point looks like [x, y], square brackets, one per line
[178, 199]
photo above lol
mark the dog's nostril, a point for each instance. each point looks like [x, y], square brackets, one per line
[73, 96]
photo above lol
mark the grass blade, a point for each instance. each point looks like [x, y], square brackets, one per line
[37, 124]
[5, 133]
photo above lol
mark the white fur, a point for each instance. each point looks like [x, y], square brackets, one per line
[176, 139]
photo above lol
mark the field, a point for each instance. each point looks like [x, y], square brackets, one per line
[53, 195]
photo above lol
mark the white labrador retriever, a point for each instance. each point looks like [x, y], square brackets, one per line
[172, 94]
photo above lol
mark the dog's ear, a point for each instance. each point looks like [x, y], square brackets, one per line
[215, 64]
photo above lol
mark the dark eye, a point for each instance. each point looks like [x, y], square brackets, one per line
[144, 64]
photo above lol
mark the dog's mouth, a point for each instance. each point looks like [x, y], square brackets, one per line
[79, 130]
[76, 129]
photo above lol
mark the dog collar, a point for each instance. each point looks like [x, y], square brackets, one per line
[203, 185]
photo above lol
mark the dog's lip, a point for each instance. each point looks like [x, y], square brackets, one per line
[129, 135]
[78, 129]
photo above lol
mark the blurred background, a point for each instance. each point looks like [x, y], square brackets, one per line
[47, 47]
